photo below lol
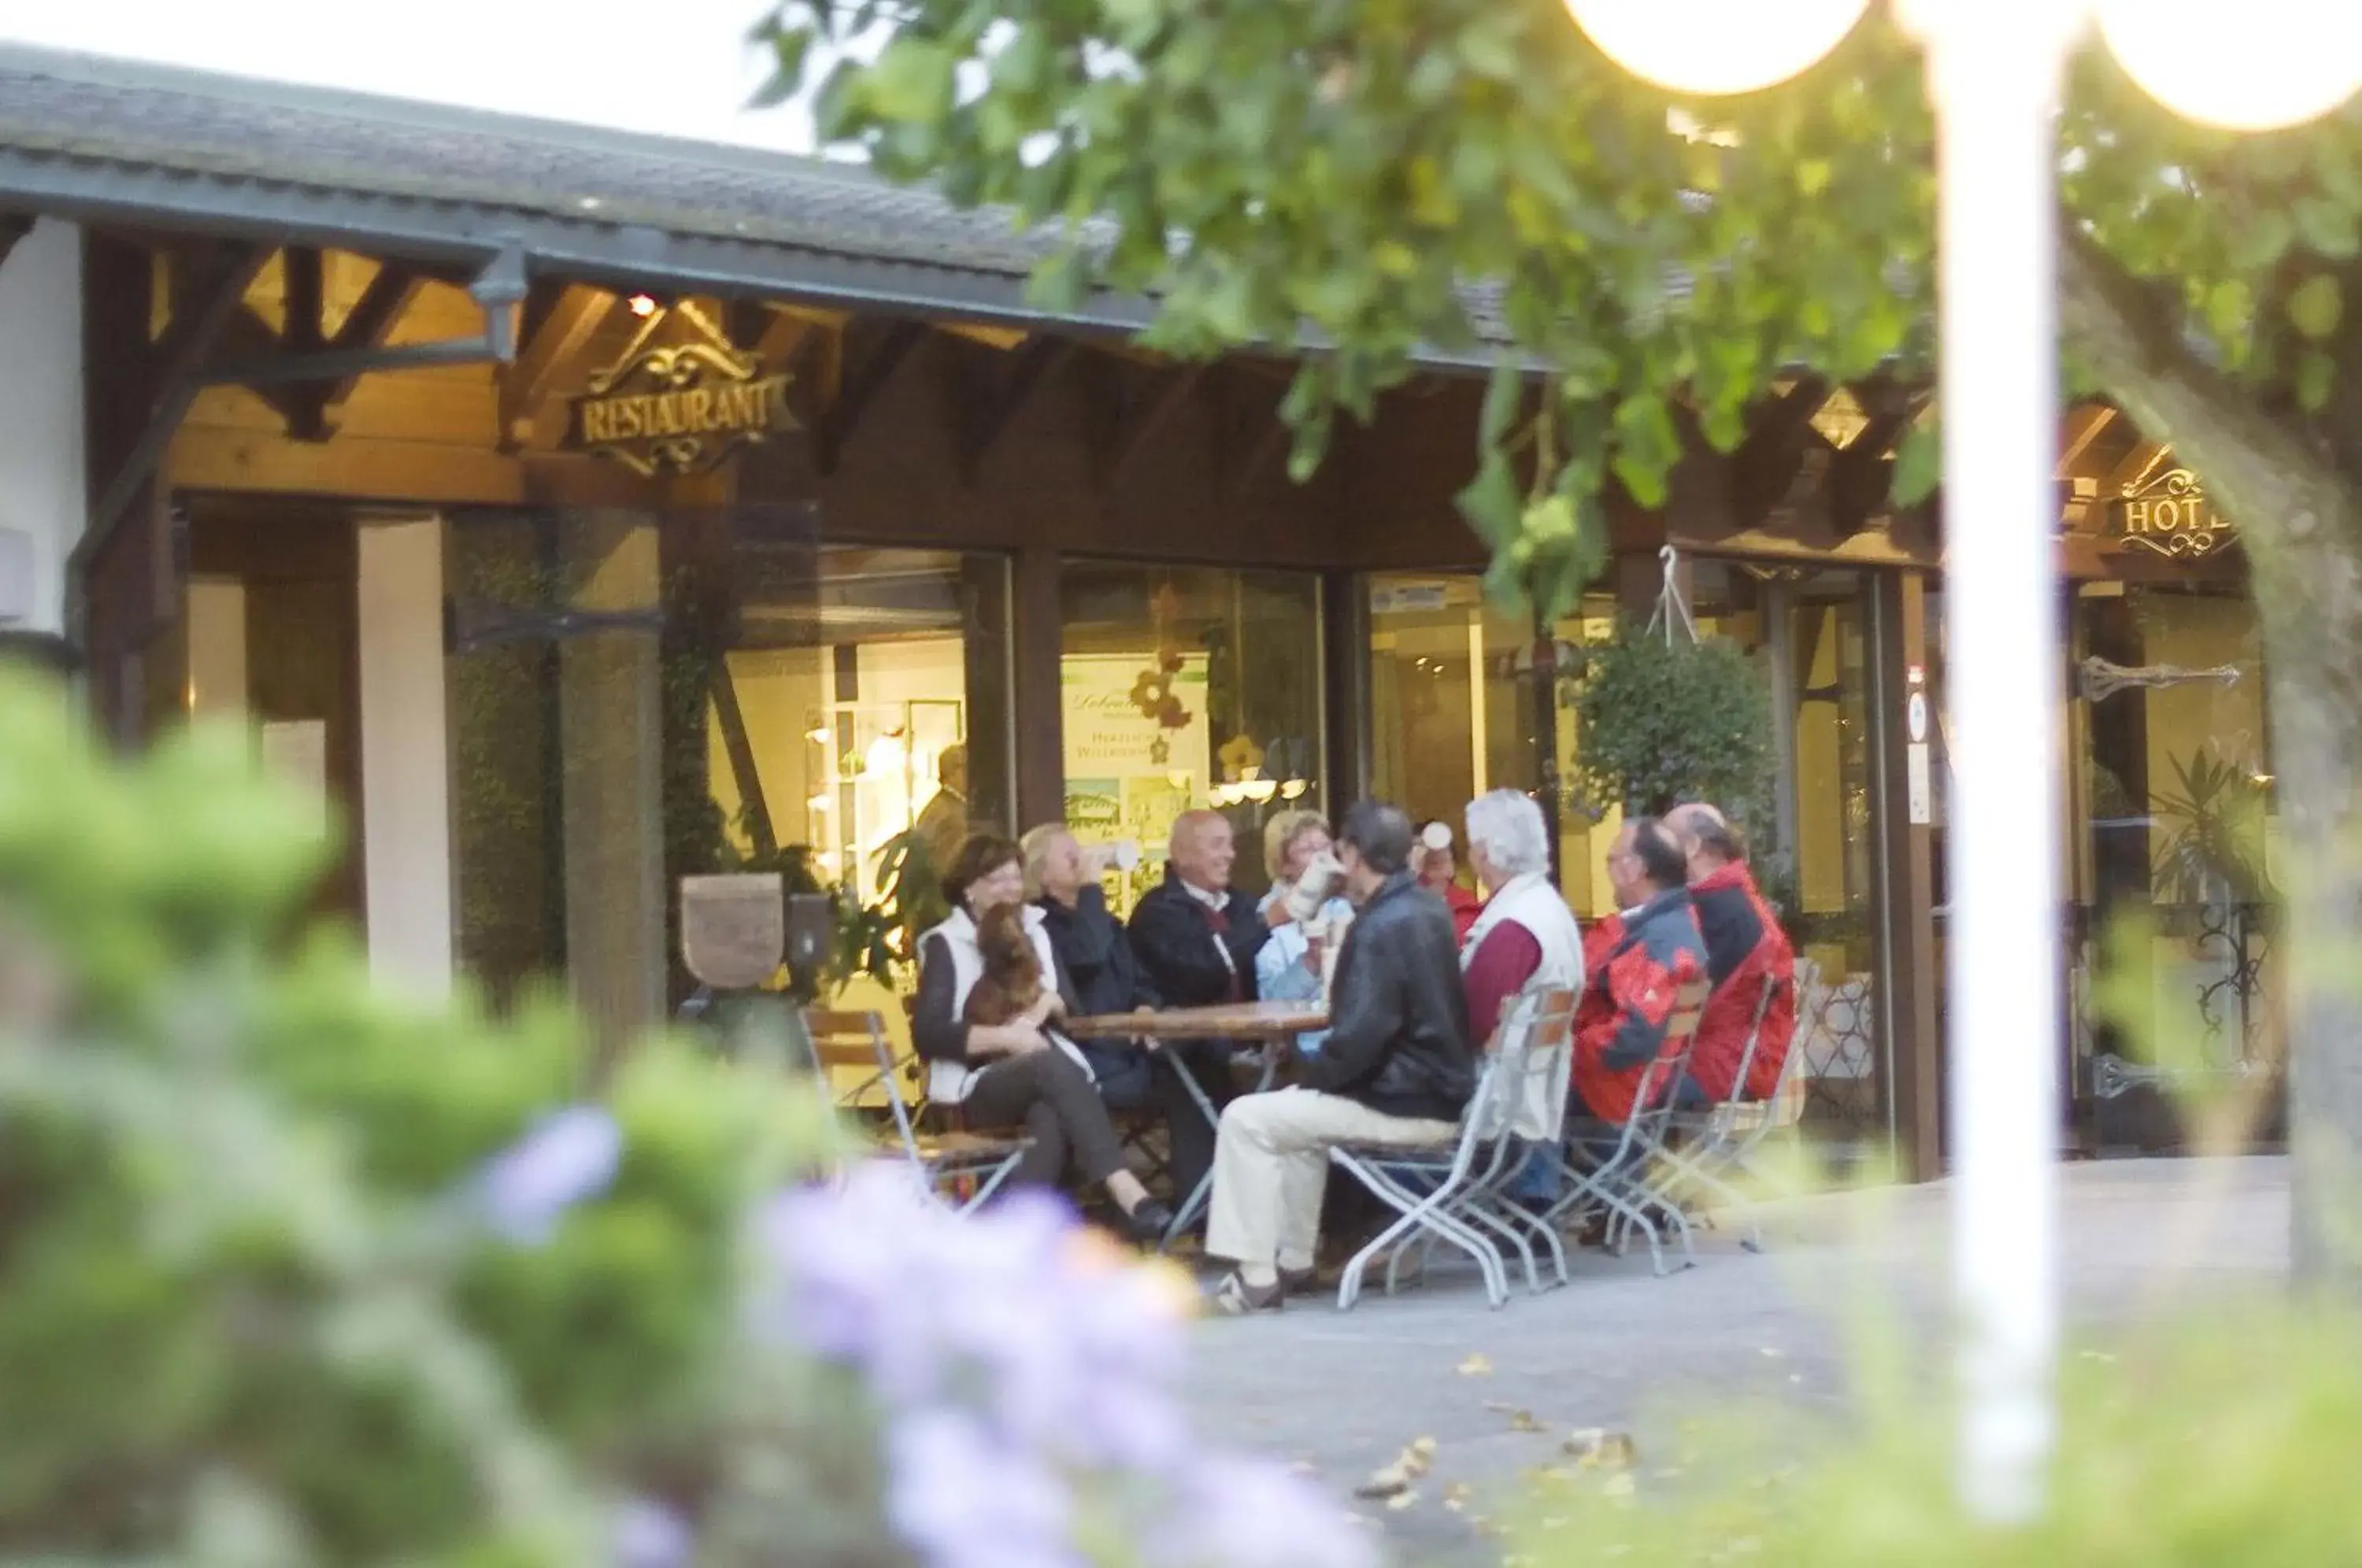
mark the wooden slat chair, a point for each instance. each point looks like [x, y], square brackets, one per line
[1623, 1183]
[963, 1168]
[1722, 1141]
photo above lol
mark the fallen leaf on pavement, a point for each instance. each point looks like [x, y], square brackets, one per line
[1391, 1480]
[1476, 1366]
[1401, 1500]
[1455, 1497]
[1596, 1448]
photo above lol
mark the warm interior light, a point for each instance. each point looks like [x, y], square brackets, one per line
[643, 305]
[1292, 790]
[1715, 45]
[2256, 65]
[1258, 790]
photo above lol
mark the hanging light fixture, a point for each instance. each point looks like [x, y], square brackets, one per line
[1716, 47]
[2254, 66]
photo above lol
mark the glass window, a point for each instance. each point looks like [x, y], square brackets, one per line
[2175, 801]
[864, 697]
[1183, 688]
[1451, 716]
[1450, 699]
[1453, 703]
[634, 700]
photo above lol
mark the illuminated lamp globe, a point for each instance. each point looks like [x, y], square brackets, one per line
[2254, 65]
[1716, 47]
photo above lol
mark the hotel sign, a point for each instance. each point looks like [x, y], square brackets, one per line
[2171, 516]
[678, 400]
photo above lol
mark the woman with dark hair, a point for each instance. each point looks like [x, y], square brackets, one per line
[991, 990]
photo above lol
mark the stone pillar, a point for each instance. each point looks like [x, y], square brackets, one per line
[611, 729]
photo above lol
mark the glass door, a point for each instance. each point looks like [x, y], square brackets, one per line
[1826, 701]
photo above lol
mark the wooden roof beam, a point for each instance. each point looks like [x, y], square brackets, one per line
[1765, 466]
[1138, 430]
[216, 293]
[375, 313]
[1001, 393]
[549, 346]
[865, 375]
[2084, 426]
[1862, 476]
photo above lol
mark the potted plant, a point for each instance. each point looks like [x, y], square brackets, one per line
[1663, 720]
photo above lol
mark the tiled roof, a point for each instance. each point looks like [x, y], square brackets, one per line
[110, 142]
[225, 128]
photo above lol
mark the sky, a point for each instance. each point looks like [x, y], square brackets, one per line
[663, 67]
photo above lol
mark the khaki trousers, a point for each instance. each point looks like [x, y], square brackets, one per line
[1271, 1165]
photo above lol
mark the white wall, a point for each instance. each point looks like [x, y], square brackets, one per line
[41, 481]
[405, 777]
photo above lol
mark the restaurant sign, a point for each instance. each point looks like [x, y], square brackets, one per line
[2171, 516]
[680, 399]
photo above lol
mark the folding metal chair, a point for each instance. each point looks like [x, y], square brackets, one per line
[1623, 1183]
[1735, 1131]
[1538, 1115]
[1693, 1146]
[1425, 1185]
[944, 1161]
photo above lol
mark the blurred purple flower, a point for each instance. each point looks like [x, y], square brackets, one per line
[965, 1498]
[1013, 1368]
[1232, 1512]
[568, 1156]
[649, 1535]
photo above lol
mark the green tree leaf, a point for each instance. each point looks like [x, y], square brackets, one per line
[911, 82]
[1918, 465]
[2316, 306]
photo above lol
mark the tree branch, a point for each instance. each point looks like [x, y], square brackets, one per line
[2268, 478]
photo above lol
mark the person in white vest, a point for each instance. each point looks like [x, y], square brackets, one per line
[1524, 936]
[1020, 1072]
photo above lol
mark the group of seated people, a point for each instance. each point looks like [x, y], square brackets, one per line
[1031, 940]
[1416, 991]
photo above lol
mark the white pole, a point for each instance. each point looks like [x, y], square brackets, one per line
[1994, 67]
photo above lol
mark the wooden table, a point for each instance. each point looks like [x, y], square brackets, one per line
[1271, 1024]
[1261, 1020]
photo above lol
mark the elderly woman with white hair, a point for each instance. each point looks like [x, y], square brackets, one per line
[1524, 935]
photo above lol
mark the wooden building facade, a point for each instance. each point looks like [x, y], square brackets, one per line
[574, 513]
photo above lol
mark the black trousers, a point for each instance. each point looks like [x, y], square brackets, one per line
[1053, 1099]
[1191, 1134]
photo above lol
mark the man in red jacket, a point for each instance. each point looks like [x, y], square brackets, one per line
[1634, 964]
[1745, 949]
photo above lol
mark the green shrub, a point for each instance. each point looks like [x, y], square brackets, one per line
[295, 1272]
[2226, 1442]
[235, 1280]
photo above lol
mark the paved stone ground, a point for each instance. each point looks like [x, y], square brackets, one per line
[1342, 1393]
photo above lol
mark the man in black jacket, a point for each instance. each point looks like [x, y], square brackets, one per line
[1096, 956]
[1196, 937]
[1397, 1070]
